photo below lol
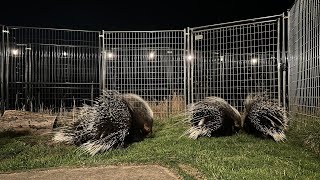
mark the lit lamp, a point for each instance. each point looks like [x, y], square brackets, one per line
[110, 55]
[15, 52]
[254, 61]
[151, 55]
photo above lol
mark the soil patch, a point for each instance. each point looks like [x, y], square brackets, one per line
[144, 172]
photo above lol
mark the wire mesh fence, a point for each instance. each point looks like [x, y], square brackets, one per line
[150, 64]
[304, 58]
[232, 60]
[51, 68]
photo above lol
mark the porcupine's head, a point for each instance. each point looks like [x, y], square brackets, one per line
[142, 114]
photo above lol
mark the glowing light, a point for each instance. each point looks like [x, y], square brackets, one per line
[189, 58]
[110, 55]
[151, 55]
[64, 53]
[254, 61]
[15, 52]
[221, 58]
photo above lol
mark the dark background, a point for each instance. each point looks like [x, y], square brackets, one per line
[134, 15]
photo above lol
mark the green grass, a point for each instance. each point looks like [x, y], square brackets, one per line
[237, 157]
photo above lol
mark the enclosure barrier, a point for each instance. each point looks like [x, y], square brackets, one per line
[49, 68]
[234, 59]
[60, 68]
[304, 58]
[148, 63]
[46, 68]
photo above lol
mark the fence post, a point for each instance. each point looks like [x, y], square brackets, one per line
[185, 72]
[288, 65]
[189, 60]
[2, 59]
[92, 94]
[102, 62]
[6, 66]
[284, 62]
[278, 61]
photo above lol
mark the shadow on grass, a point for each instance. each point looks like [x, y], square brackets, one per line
[14, 134]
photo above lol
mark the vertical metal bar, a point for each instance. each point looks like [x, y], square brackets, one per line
[288, 59]
[7, 66]
[284, 62]
[192, 63]
[278, 60]
[100, 54]
[92, 94]
[2, 63]
[103, 63]
[185, 67]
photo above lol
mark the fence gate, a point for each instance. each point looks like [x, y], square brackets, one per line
[231, 60]
[148, 63]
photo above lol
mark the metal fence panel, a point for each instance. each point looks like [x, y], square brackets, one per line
[304, 58]
[231, 60]
[59, 67]
[148, 63]
[50, 68]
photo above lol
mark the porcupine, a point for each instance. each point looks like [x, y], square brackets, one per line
[142, 118]
[264, 117]
[105, 125]
[213, 116]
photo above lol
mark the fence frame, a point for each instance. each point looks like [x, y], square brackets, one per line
[280, 55]
[188, 55]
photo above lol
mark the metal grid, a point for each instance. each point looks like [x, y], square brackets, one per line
[304, 58]
[231, 60]
[60, 67]
[49, 68]
[148, 63]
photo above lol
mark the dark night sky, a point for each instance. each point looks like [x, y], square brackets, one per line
[134, 15]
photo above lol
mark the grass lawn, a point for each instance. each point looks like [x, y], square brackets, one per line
[237, 157]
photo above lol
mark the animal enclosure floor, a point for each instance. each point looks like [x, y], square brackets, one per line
[25, 121]
[144, 172]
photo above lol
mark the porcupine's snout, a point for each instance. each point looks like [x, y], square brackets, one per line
[147, 128]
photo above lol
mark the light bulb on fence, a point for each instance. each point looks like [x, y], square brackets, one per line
[254, 61]
[110, 55]
[151, 55]
[14, 51]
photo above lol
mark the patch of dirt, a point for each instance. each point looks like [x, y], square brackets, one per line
[143, 172]
[25, 121]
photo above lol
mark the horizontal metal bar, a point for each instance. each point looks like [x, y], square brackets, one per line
[63, 45]
[54, 29]
[51, 83]
[106, 32]
[234, 22]
[238, 25]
